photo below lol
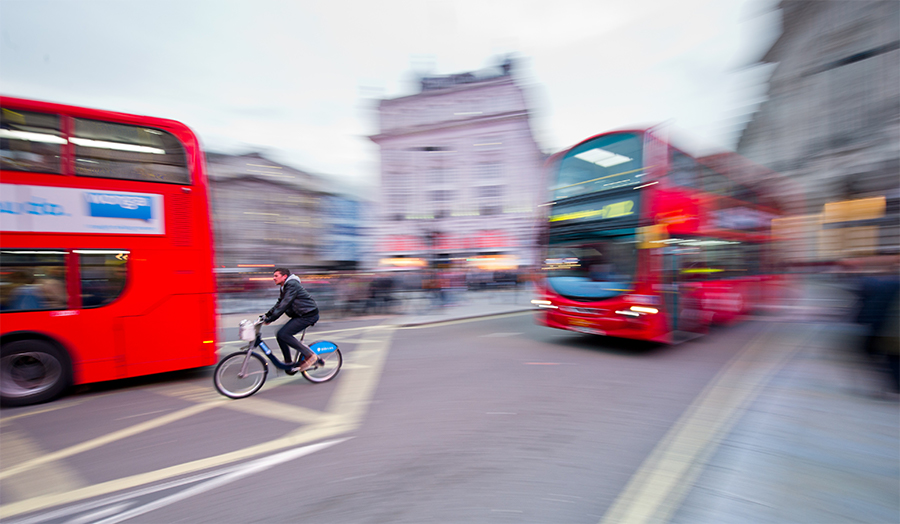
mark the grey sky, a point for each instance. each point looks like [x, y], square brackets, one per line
[299, 79]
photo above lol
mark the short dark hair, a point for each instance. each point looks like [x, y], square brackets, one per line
[283, 270]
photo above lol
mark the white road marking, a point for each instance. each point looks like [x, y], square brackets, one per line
[216, 479]
[90, 518]
[345, 413]
[240, 472]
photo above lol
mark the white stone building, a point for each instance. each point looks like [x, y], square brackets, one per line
[265, 212]
[461, 173]
[832, 119]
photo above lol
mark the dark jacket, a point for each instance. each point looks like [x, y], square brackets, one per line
[293, 300]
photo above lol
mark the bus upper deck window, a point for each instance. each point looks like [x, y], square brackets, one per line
[30, 141]
[111, 150]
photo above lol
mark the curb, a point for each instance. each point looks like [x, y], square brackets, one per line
[466, 317]
[411, 323]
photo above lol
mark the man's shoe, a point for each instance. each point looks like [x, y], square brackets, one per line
[308, 363]
[292, 371]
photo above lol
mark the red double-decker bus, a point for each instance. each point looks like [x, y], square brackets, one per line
[644, 241]
[106, 253]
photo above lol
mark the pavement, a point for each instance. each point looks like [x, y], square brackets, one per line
[799, 428]
[419, 309]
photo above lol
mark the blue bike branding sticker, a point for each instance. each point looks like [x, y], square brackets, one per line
[48, 209]
[119, 205]
[323, 347]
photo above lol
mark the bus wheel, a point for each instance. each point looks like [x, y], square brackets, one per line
[32, 371]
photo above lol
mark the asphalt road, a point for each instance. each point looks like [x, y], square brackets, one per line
[489, 420]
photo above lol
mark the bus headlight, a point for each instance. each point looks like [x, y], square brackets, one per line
[643, 309]
[544, 304]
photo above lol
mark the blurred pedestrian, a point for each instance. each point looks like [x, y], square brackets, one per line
[879, 292]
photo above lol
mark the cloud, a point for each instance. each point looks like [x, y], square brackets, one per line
[292, 77]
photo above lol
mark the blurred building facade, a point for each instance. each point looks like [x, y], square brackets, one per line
[346, 232]
[461, 173]
[832, 119]
[266, 213]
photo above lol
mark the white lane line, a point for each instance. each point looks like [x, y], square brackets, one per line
[213, 479]
[90, 518]
[244, 470]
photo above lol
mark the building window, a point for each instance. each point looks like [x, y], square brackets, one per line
[490, 192]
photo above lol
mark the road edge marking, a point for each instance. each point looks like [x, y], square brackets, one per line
[663, 480]
[329, 425]
[108, 438]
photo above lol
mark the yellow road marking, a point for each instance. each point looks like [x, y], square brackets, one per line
[275, 410]
[62, 404]
[304, 436]
[106, 439]
[659, 486]
[352, 396]
[47, 478]
[345, 413]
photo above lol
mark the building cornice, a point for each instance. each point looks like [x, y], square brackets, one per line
[450, 124]
[473, 86]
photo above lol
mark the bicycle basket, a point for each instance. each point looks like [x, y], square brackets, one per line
[247, 330]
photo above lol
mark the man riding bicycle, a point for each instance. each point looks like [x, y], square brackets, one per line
[303, 312]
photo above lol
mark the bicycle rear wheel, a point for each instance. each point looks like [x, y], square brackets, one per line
[230, 383]
[326, 368]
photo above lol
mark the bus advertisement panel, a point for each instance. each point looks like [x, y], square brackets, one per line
[106, 252]
[646, 242]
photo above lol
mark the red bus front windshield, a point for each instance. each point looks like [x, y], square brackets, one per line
[592, 269]
[592, 245]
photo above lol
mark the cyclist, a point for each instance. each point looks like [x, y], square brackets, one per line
[301, 308]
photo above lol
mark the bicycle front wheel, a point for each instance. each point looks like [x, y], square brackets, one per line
[231, 383]
[326, 368]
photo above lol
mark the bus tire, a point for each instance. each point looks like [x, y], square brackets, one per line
[32, 371]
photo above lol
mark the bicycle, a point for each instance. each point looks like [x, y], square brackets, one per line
[243, 373]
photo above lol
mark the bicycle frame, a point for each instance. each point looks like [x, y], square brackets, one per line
[258, 342]
[234, 370]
